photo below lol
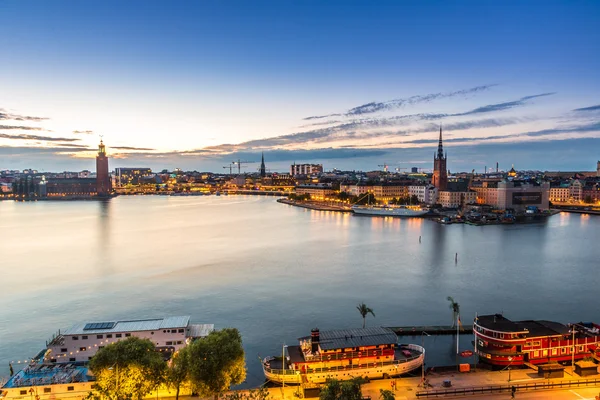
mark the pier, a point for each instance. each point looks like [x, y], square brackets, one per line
[430, 330]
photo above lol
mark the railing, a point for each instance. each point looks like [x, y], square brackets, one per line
[473, 390]
[350, 355]
[344, 367]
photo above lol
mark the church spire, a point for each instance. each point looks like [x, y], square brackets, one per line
[440, 152]
[263, 170]
[101, 148]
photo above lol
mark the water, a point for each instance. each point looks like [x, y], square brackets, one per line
[275, 271]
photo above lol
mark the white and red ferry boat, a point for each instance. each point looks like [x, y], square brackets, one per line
[343, 354]
[500, 341]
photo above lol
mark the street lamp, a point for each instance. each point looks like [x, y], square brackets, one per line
[423, 333]
[510, 362]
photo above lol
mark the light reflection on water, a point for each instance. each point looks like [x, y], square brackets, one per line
[275, 271]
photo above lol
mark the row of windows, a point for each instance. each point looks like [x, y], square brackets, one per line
[173, 343]
[108, 336]
[49, 390]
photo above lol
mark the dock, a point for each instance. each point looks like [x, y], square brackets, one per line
[430, 330]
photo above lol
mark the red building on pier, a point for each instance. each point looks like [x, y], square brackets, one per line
[500, 341]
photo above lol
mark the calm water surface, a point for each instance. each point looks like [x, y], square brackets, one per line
[274, 271]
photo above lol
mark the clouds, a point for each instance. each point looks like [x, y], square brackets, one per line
[592, 108]
[5, 115]
[36, 137]
[389, 105]
[83, 132]
[504, 106]
[131, 148]
[21, 128]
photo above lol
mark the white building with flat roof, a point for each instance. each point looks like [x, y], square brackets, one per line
[82, 341]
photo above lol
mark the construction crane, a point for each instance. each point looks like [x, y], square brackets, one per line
[384, 166]
[239, 164]
[230, 166]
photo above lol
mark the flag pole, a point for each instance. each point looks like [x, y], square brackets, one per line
[457, 324]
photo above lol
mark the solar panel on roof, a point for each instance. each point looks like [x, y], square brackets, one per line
[98, 325]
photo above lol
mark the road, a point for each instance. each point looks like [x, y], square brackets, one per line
[566, 394]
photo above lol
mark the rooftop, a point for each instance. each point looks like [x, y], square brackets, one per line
[345, 338]
[155, 324]
[499, 323]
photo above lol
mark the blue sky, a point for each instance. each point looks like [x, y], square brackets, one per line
[198, 84]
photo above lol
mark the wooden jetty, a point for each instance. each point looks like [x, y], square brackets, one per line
[430, 330]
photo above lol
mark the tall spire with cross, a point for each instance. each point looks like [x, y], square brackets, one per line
[263, 169]
[440, 152]
[440, 173]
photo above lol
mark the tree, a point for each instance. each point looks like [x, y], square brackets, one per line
[588, 199]
[347, 390]
[217, 362]
[128, 369]
[178, 372]
[262, 393]
[364, 310]
[414, 199]
[455, 307]
[385, 394]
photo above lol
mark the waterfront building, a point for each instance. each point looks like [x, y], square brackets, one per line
[456, 199]
[502, 342]
[305, 169]
[520, 195]
[560, 193]
[440, 173]
[425, 193]
[82, 341]
[103, 186]
[320, 190]
[132, 176]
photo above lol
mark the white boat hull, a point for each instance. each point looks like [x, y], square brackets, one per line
[370, 371]
[388, 211]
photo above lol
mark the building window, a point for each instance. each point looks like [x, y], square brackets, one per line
[84, 338]
[553, 352]
[72, 359]
[47, 390]
[179, 342]
[100, 347]
[564, 350]
[99, 336]
[118, 335]
[181, 331]
[82, 348]
[169, 343]
[23, 392]
[75, 337]
[580, 348]
[109, 336]
[70, 388]
[152, 333]
[127, 334]
[63, 350]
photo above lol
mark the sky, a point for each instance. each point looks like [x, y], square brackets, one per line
[349, 84]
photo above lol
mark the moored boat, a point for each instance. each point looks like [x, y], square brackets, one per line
[344, 354]
[390, 211]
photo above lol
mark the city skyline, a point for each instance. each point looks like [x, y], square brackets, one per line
[351, 86]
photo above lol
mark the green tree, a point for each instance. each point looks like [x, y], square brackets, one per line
[179, 370]
[364, 311]
[128, 369]
[262, 393]
[455, 307]
[217, 362]
[385, 394]
[414, 199]
[347, 390]
[588, 199]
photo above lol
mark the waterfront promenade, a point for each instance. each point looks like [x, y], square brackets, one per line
[406, 388]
